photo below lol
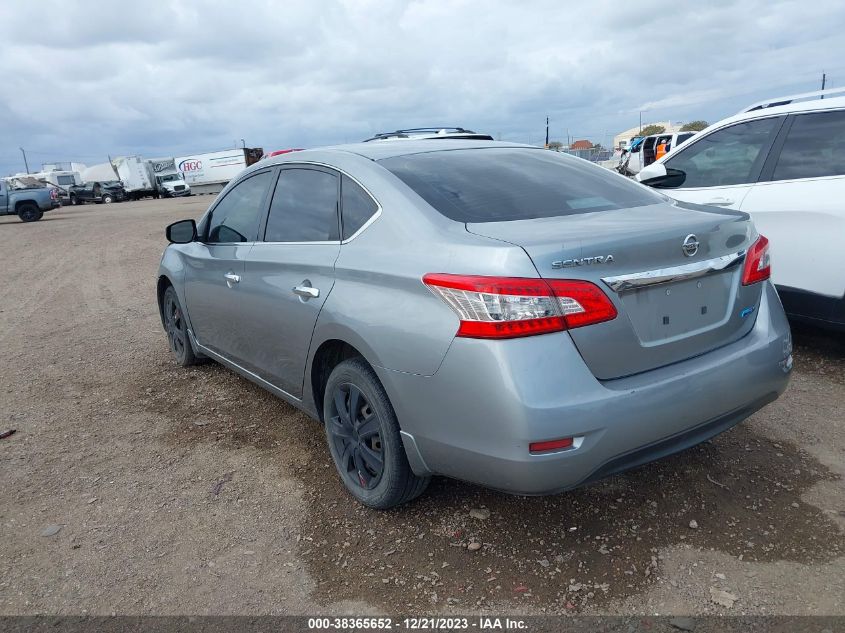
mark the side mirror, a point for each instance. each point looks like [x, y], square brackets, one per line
[659, 176]
[182, 232]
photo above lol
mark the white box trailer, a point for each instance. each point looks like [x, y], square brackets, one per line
[136, 175]
[99, 173]
[210, 171]
[60, 180]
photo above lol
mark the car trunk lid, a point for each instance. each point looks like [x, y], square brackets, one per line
[674, 301]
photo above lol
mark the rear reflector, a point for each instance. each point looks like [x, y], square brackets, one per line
[758, 266]
[509, 307]
[552, 445]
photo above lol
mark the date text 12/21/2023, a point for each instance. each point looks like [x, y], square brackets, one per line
[417, 623]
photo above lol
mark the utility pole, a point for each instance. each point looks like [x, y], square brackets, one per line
[824, 78]
[547, 132]
[26, 164]
[641, 122]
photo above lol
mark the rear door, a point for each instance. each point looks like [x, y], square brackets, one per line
[722, 167]
[290, 272]
[214, 267]
[799, 204]
[4, 197]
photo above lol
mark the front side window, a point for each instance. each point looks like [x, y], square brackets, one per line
[236, 217]
[684, 137]
[730, 156]
[304, 207]
[356, 207]
[813, 147]
[498, 184]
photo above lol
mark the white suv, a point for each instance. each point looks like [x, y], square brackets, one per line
[783, 162]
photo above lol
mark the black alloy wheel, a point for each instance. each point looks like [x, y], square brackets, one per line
[177, 329]
[364, 440]
[355, 430]
[28, 212]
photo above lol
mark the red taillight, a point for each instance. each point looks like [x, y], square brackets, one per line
[757, 267]
[508, 307]
[552, 445]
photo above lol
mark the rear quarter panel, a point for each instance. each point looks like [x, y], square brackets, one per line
[379, 303]
[802, 219]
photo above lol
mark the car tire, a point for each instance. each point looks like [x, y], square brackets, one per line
[107, 199]
[29, 212]
[74, 200]
[363, 436]
[176, 328]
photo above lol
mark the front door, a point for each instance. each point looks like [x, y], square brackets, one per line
[289, 274]
[722, 167]
[214, 267]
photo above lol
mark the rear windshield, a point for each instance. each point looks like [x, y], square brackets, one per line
[499, 185]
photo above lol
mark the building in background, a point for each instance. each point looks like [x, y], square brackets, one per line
[581, 148]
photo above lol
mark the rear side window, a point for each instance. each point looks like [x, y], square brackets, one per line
[497, 185]
[813, 147]
[356, 207]
[304, 207]
[730, 156]
[236, 217]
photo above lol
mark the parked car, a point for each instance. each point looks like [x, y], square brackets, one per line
[644, 151]
[27, 198]
[421, 133]
[781, 161]
[497, 313]
[104, 192]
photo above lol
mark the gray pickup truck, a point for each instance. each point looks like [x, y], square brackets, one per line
[27, 202]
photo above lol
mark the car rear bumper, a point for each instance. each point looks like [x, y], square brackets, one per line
[475, 417]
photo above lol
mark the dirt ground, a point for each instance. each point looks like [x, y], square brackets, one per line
[195, 492]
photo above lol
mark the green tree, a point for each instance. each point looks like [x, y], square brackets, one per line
[652, 129]
[694, 126]
[556, 145]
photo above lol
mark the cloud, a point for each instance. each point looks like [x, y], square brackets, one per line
[82, 80]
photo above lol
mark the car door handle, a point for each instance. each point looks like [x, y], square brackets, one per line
[720, 202]
[306, 291]
[232, 278]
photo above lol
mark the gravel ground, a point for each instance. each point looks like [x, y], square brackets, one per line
[135, 487]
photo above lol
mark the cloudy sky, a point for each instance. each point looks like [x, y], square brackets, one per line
[81, 80]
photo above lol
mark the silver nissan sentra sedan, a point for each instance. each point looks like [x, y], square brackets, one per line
[492, 312]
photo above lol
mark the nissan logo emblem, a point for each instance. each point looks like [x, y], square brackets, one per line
[690, 245]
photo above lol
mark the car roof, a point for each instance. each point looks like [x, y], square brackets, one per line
[380, 151]
[429, 133]
[779, 106]
[786, 105]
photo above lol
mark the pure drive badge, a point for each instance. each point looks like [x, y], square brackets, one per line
[583, 261]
